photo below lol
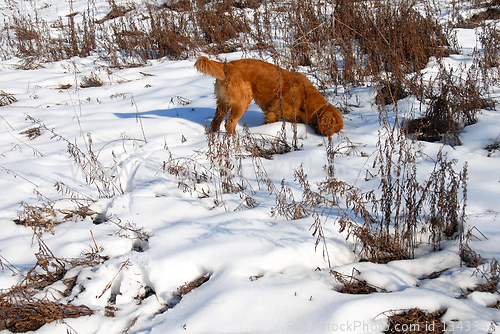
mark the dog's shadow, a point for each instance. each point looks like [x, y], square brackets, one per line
[203, 116]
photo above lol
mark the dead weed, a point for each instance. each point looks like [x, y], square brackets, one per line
[354, 285]
[20, 311]
[415, 321]
[6, 98]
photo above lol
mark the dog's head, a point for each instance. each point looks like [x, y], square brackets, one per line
[327, 120]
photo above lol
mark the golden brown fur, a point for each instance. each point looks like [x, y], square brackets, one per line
[279, 93]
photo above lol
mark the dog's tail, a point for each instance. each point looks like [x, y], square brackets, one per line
[210, 67]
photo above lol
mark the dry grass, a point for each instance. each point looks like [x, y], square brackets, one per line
[33, 132]
[341, 42]
[390, 92]
[6, 98]
[46, 216]
[490, 272]
[255, 277]
[364, 42]
[415, 321]
[434, 274]
[345, 43]
[20, 311]
[183, 290]
[387, 226]
[365, 38]
[92, 80]
[87, 159]
[453, 100]
[353, 285]
[286, 205]
[470, 257]
[217, 170]
[486, 10]
[493, 147]
[190, 286]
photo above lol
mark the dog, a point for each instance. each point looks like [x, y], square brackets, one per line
[279, 93]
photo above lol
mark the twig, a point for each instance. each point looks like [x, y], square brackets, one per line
[10, 266]
[17, 175]
[125, 264]
[95, 243]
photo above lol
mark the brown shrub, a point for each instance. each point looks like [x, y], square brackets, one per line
[453, 103]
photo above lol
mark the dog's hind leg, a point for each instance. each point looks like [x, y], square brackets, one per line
[240, 99]
[237, 111]
[223, 106]
[221, 112]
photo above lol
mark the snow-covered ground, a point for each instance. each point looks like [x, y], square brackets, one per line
[265, 275]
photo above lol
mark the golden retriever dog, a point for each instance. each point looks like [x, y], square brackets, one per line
[279, 93]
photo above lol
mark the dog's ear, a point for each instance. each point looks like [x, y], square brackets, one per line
[330, 121]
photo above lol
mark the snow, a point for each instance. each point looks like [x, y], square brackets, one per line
[265, 274]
